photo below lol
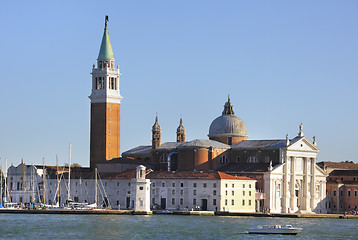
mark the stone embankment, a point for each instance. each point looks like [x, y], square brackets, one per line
[175, 212]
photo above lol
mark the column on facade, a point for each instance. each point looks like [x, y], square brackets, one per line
[285, 203]
[292, 184]
[313, 181]
[306, 198]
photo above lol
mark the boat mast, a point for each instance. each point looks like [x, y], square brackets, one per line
[33, 183]
[5, 179]
[58, 184]
[95, 189]
[44, 179]
[69, 177]
[1, 184]
[23, 181]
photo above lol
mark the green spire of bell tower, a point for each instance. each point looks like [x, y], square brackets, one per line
[106, 52]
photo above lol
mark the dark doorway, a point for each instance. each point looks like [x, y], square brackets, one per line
[128, 202]
[163, 203]
[204, 204]
[105, 202]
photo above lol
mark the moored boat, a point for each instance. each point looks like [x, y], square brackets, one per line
[275, 229]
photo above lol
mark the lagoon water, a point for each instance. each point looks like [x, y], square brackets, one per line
[32, 226]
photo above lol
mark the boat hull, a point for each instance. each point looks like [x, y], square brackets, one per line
[275, 231]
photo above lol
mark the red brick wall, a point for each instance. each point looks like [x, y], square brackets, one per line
[105, 117]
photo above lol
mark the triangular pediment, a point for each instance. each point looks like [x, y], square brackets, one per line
[303, 144]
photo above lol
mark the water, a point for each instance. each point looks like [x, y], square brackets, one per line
[32, 226]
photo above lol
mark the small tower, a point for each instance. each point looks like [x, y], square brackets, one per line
[156, 134]
[141, 190]
[181, 132]
[105, 105]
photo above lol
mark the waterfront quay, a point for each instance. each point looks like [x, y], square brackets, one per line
[199, 213]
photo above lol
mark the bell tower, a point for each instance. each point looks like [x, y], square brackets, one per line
[105, 105]
[156, 134]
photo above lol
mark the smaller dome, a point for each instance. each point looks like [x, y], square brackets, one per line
[181, 128]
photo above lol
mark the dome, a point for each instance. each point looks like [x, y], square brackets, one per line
[181, 128]
[228, 124]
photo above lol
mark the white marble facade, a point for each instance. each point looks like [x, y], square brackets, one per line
[297, 184]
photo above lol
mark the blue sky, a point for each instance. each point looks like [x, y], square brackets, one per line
[282, 62]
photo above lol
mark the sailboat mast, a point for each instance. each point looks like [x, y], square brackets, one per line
[1, 184]
[5, 179]
[58, 184]
[95, 188]
[23, 181]
[69, 177]
[44, 179]
[33, 183]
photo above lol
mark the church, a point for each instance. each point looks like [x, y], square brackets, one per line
[288, 178]
[278, 175]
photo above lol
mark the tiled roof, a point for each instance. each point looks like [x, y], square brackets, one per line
[245, 167]
[204, 143]
[344, 173]
[138, 150]
[130, 174]
[170, 145]
[338, 165]
[256, 144]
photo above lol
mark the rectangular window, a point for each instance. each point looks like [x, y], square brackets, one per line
[249, 185]
[243, 185]
[249, 202]
[173, 184]
[243, 193]
[173, 192]
[229, 140]
[226, 185]
[214, 201]
[225, 193]
[233, 185]
[243, 202]
[204, 184]
[140, 188]
[355, 193]
[163, 184]
[153, 191]
[232, 202]
[181, 192]
[194, 184]
[349, 193]
[194, 201]
[232, 193]
[214, 192]
[334, 193]
[214, 185]
[181, 201]
[153, 201]
[154, 184]
[181, 184]
[194, 192]
[173, 201]
[117, 184]
[225, 202]
[250, 193]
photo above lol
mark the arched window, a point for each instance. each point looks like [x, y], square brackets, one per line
[224, 159]
[164, 158]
